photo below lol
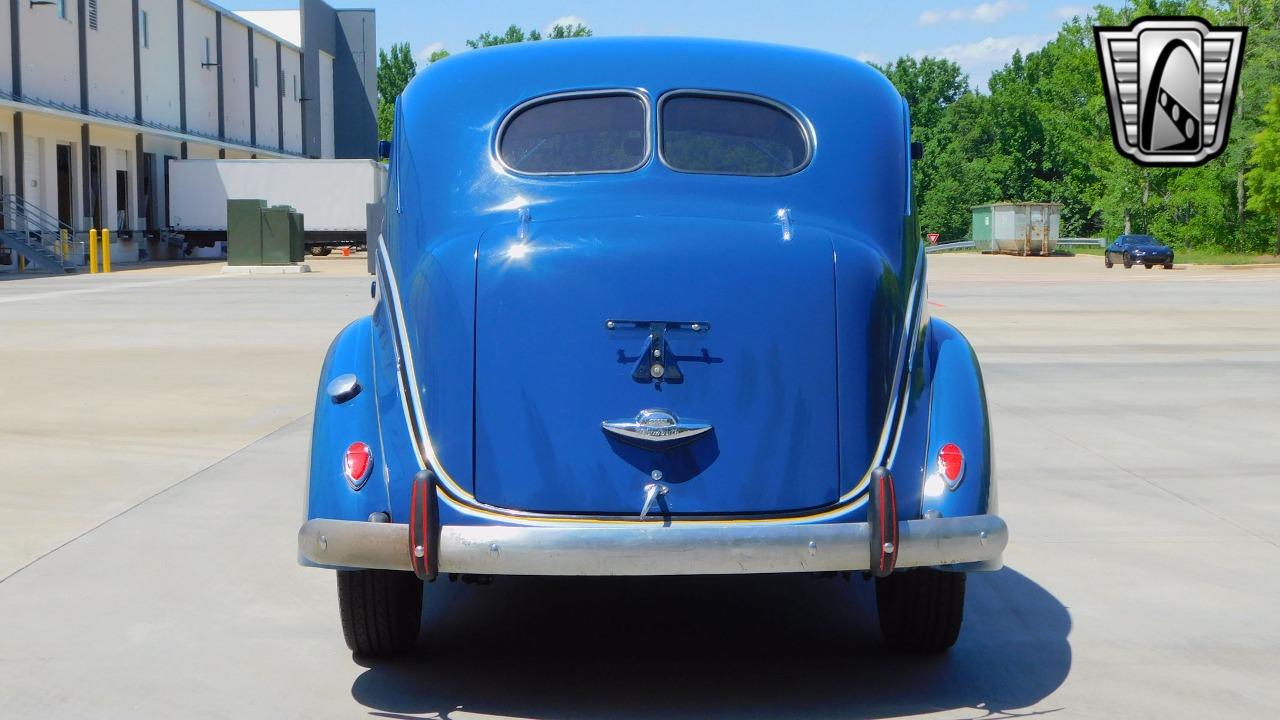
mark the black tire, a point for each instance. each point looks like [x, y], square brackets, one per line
[921, 610]
[380, 610]
[1147, 265]
[1106, 261]
[317, 251]
[1128, 261]
[1168, 265]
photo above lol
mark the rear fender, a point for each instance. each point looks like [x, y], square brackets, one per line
[338, 424]
[958, 414]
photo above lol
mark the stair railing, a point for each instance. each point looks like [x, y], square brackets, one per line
[38, 227]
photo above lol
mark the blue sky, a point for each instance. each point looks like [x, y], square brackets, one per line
[980, 36]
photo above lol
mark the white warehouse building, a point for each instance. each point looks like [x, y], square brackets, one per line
[97, 95]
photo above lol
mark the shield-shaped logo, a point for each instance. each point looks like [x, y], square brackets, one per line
[1170, 85]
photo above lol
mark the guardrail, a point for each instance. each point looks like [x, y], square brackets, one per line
[1062, 243]
[944, 247]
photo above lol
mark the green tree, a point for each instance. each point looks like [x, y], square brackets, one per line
[386, 114]
[515, 35]
[1264, 178]
[1042, 132]
[1259, 69]
[396, 68]
[564, 32]
[930, 85]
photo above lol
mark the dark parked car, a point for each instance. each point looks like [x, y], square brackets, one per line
[1140, 249]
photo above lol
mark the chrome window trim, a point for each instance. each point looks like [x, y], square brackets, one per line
[806, 128]
[496, 145]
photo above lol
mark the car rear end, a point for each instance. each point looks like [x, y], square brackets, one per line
[654, 319]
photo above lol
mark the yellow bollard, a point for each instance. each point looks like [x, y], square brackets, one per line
[66, 244]
[22, 264]
[93, 251]
[106, 250]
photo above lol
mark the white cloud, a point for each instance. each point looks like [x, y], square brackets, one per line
[424, 55]
[993, 11]
[931, 17]
[993, 49]
[868, 57]
[567, 21]
[979, 59]
[986, 12]
[1066, 12]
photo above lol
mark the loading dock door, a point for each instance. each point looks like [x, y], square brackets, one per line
[149, 189]
[4, 186]
[167, 221]
[95, 185]
[122, 200]
[65, 184]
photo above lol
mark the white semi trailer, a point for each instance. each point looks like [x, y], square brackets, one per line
[330, 194]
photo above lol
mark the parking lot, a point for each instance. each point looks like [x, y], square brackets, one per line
[154, 430]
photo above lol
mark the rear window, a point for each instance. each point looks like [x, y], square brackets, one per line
[581, 133]
[730, 135]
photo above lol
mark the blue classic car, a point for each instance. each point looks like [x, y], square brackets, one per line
[650, 307]
[1140, 249]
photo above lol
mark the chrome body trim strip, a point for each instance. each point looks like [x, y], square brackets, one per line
[975, 541]
[895, 414]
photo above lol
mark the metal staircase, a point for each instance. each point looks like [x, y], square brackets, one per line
[35, 235]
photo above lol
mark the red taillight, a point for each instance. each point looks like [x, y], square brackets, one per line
[356, 463]
[951, 464]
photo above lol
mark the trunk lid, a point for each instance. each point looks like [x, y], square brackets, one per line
[549, 371]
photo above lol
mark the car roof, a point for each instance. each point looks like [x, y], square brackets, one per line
[581, 61]
[856, 182]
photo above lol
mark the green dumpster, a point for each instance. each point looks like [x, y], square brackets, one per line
[244, 232]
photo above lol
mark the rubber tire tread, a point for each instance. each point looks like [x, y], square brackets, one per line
[380, 610]
[921, 610]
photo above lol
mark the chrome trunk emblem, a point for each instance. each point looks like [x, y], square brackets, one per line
[656, 427]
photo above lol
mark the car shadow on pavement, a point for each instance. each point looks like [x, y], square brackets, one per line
[696, 647]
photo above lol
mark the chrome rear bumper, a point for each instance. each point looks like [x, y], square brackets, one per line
[973, 542]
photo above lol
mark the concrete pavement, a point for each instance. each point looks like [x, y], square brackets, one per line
[117, 386]
[1136, 415]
